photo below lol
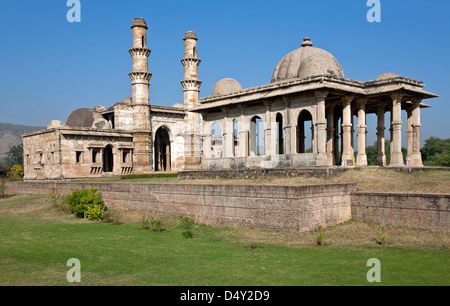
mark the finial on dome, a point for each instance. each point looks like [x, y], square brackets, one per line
[306, 42]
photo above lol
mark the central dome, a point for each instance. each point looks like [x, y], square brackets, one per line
[305, 62]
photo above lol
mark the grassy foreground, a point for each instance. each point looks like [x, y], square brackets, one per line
[37, 240]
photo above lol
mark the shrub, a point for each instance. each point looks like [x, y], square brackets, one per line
[145, 222]
[157, 224]
[382, 239]
[114, 214]
[82, 199]
[2, 187]
[4, 169]
[96, 212]
[57, 200]
[321, 236]
[187, 224]
[16, 173]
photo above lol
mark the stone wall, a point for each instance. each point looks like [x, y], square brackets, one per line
[258, 172]
[426, 211]
[295, 208]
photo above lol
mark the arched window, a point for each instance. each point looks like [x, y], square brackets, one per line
[256, 137]
[279, 135]
[305, 132]
[216, 141]
[235, 138]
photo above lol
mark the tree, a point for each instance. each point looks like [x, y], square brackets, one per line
[14, 156]
[436, 152]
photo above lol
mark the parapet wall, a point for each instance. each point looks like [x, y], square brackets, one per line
[426, 211]
[294, 208]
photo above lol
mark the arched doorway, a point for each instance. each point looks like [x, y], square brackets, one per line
[256, 139]
[279, 135]
[108, 159]
[162, 150]
[305, 132]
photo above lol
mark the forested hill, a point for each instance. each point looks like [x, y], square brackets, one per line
[11, 135]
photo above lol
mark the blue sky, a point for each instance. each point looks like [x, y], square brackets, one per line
[49, 67]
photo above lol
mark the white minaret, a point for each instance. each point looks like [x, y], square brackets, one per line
[140, 82]
[191, 89]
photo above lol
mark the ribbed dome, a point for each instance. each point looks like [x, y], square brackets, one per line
[226, 86]
[305, 62]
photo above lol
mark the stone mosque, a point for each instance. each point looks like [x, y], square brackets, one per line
[306, 116]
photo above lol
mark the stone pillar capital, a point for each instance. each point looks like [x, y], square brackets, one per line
[321, 94]
[397, 96]
[348, 98]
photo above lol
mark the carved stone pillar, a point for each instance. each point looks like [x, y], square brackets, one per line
[396, 148]
[361, 159]
[330, 135]
[416, 156]
[348, 158]
[381, 142]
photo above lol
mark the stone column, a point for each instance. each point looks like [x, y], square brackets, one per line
[321, 122]
[207, 144]
[288, 128]
[330, 135]
[348, 158]
[409, 135]
[361, 160]
[241, 131]
[396, 151]
[381, 142]
[416, 156]
[227, 134]
[267, 129]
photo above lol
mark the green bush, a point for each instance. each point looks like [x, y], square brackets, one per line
[187, 224]
[321, 236]
[147, 175]
[96, 212]
[382, 239]
[81, 200]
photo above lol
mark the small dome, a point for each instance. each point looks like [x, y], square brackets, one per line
[82, 118]
[226, 86]
[139, 22]
[126, 101]
[178, 105]
[191, 35]
[99, 108]
[54, 124]
[386, 75]
[101, 124]
[305, 62]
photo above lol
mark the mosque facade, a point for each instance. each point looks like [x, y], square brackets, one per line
[309, 115]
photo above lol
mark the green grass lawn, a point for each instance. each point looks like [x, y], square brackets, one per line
[37, 240]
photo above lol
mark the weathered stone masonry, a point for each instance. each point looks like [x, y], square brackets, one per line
[294, 208]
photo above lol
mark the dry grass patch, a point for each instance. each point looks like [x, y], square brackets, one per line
[371, 179]
[350, 233]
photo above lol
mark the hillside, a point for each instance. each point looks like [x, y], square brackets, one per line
[11, 135]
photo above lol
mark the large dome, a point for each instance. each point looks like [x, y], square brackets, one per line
[305, 62]
[226, 86]
[82, 118]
